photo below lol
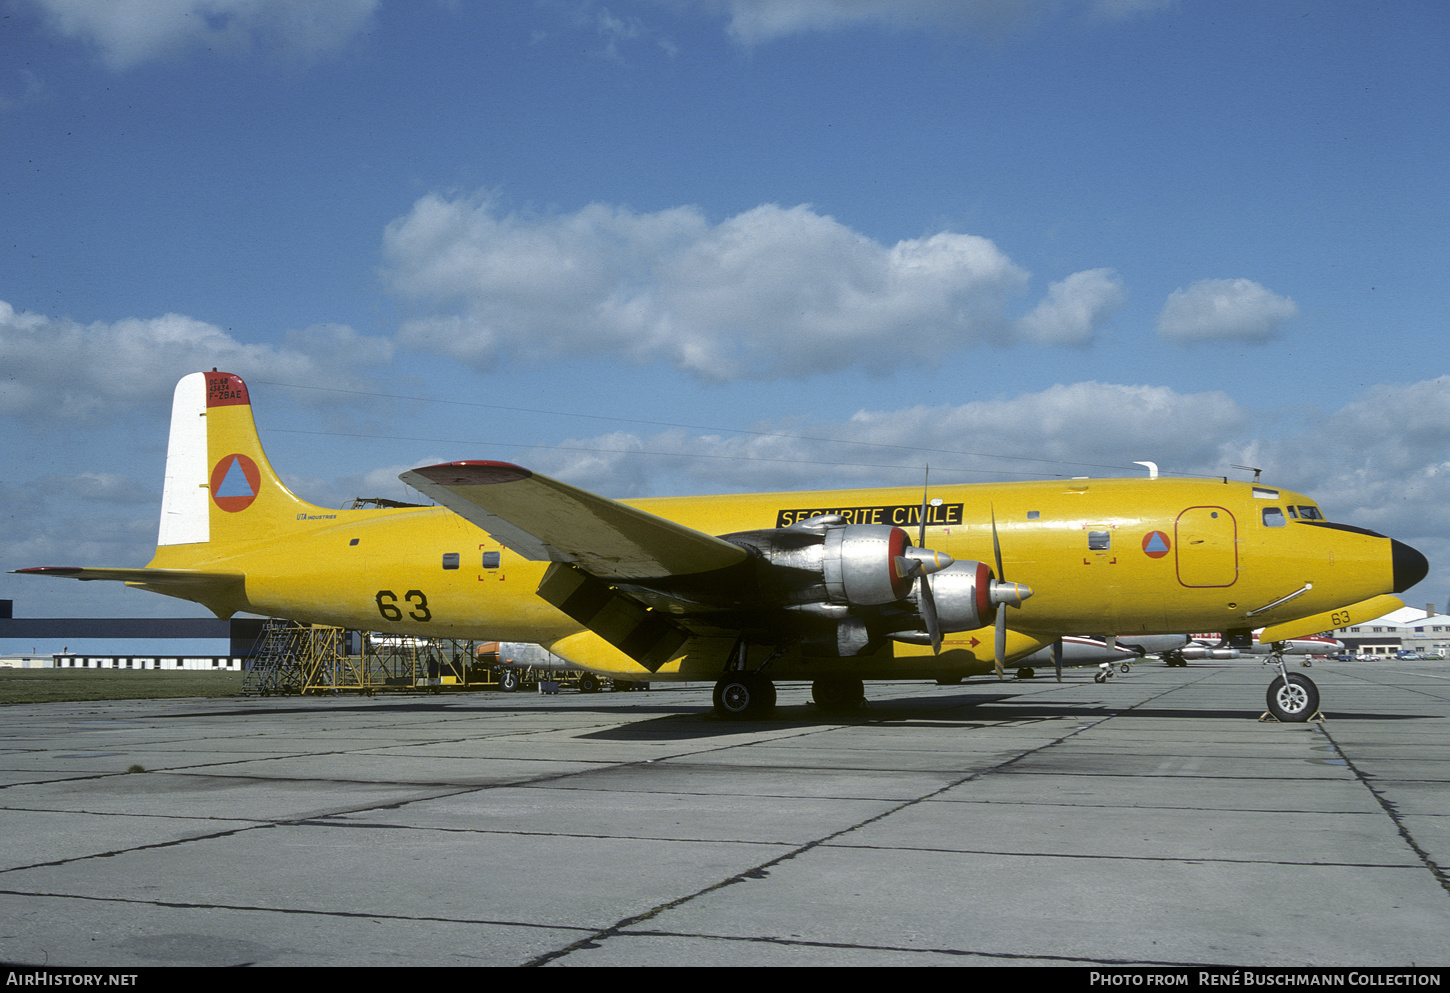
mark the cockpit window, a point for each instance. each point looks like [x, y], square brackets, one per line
[1274, 517]
[1309, 513]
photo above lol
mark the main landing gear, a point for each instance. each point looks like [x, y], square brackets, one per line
[744, 694]
[747, 695]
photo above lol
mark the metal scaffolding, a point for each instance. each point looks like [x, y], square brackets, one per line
[316, 658]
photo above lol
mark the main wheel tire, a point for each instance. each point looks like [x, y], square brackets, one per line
[743, 696]
[1099, 677]
[508, 680]
[588, 683]
[1295, 701]
[1125, 668]
[1027, 672]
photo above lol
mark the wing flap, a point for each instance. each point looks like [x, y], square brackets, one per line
[548, 521]
[647, 636]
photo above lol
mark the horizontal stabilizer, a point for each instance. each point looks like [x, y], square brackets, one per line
[144, 577]
[1356, 613]
[548, 521]
[223, 593]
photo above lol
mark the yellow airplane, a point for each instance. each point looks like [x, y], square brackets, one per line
[747, 589]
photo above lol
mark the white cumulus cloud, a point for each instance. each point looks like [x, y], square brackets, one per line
[770, 293]
[61, 369]
[1074, 307]
[1224, 310]
[129, 32]
[753, 22]
[1087, 428]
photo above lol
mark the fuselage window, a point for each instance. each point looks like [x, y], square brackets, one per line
[1099, 541]
[490, 560]
[450, 560]
[1274, 518]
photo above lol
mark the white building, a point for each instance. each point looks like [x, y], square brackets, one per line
[1409, 628]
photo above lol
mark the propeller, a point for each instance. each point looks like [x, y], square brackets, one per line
[928, 601]
[1008, 594]
[921, 562]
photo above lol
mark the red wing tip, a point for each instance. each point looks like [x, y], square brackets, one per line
[473, 473]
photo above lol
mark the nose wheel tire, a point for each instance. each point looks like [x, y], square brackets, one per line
[1294, 700]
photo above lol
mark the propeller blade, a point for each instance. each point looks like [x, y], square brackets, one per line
[928, 614]
[996, 545]
[921, 530]
[1000, 647]
[1005, 594]
[1057, 658]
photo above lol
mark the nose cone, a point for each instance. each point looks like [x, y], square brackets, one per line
[1409, 565]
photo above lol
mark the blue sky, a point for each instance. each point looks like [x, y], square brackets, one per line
[655, 246]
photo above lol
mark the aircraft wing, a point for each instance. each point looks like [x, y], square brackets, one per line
[548, 521]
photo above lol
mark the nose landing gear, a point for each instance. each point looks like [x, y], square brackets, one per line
[1292, 697]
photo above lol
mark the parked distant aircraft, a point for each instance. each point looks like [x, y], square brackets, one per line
[746, 589]
[1214, 646]
[1079, 651]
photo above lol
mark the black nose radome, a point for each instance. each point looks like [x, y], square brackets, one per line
[1410, 565]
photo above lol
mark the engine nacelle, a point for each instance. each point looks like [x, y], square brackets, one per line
[962, 592]
[833, 575]
[861, 564]
[826, 561]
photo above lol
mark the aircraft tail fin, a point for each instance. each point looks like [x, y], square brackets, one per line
[221, 497]
[220, 489]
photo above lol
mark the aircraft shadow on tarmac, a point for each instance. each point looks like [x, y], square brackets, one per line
[671, 720]
[965, 713]
[384, 707]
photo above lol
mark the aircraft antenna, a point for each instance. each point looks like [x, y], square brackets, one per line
[1249, 468]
